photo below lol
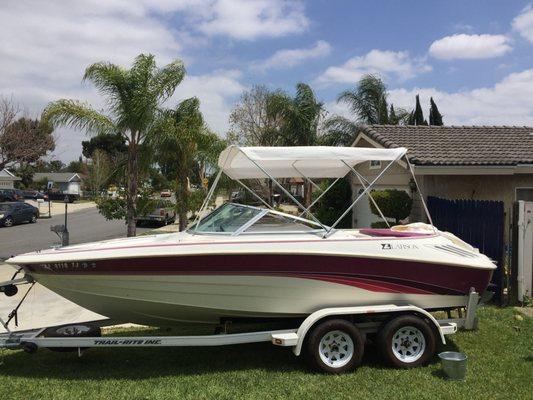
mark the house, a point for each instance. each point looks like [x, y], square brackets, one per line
[453, 162]
[475, 179]
[65, 182]
[7, 179]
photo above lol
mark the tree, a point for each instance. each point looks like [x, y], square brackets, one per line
[99, 171]
[435, 117]
[394, 203]
[250, 122]
[331, 206]
[299, 118]
[114, 145]
[133, 96]
[417, 116]
[25, 141]
[368, 103]
[368, 100]
[182, 138]
[75, 166]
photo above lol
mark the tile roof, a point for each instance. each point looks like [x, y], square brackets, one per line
[458, 145]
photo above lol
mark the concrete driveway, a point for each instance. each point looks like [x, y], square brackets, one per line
[41, 308]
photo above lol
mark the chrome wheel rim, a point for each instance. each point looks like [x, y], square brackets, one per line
[408, 344]
[336, 349]
[8, 222]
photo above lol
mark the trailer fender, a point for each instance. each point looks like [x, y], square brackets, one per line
[315, 317]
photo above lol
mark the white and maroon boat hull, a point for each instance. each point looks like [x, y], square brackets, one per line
[167, 279]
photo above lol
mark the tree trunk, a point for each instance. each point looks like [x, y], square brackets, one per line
[183, 198]
[308, 191]
[131, 193]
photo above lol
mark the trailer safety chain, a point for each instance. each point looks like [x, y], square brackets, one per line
[14, 313]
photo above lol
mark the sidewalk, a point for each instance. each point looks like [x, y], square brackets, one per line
[59, 208]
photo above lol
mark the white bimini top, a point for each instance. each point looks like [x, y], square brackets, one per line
[309, 161]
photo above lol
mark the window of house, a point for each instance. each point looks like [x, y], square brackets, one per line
[375, 164]
[525, 194]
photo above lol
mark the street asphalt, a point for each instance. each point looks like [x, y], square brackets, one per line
[85, 225]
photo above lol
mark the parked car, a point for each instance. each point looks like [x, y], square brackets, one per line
[166, 193]
[33, 194]
[57, 195]
[163, 214]
[17, 212]
[11, 195]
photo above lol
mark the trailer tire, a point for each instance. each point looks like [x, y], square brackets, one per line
[406, 341]
[335, 346]
[71, 330]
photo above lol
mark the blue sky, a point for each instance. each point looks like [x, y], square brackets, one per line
[474, 57]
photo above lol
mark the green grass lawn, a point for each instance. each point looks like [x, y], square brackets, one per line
[500, 367]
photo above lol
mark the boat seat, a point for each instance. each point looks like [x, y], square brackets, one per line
[390, 233]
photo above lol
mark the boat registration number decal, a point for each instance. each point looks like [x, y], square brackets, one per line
[71, 265]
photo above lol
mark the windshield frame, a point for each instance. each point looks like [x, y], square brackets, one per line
[242, 230]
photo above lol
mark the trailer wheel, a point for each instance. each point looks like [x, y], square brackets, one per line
[71, 330]
[406, 342]
[335, 346]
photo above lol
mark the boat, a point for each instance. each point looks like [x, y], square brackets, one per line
[249, 262]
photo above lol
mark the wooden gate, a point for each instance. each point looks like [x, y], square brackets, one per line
[480, 223]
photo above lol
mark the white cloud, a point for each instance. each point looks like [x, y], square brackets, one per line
[287, 58]
[46, 46]
[386, 63]
[505, 103]
[250, 19]
[463, 46]
[523, 23]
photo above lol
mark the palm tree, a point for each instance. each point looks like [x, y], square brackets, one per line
[368, 102]
[133, 97]
[299, 120]
[299, 116]
[181, 138]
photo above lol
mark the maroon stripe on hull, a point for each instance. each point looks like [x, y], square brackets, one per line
[387, 274]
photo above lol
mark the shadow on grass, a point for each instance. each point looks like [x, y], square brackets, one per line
[142, 363]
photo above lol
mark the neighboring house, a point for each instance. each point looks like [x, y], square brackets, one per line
[459, 168]
[7, 179]
[65, 182]
[296, 186]
[455, 162]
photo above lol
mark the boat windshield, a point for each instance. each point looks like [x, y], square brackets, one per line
[227, 218]
[238, 219]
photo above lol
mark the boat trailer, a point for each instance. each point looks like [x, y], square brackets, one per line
[74, 336]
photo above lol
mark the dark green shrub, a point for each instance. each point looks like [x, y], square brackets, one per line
[394, 203]
[334, 203]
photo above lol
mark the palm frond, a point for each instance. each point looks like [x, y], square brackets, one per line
[77, 115]
[110, 80]
[339, 131]
[165, 81]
